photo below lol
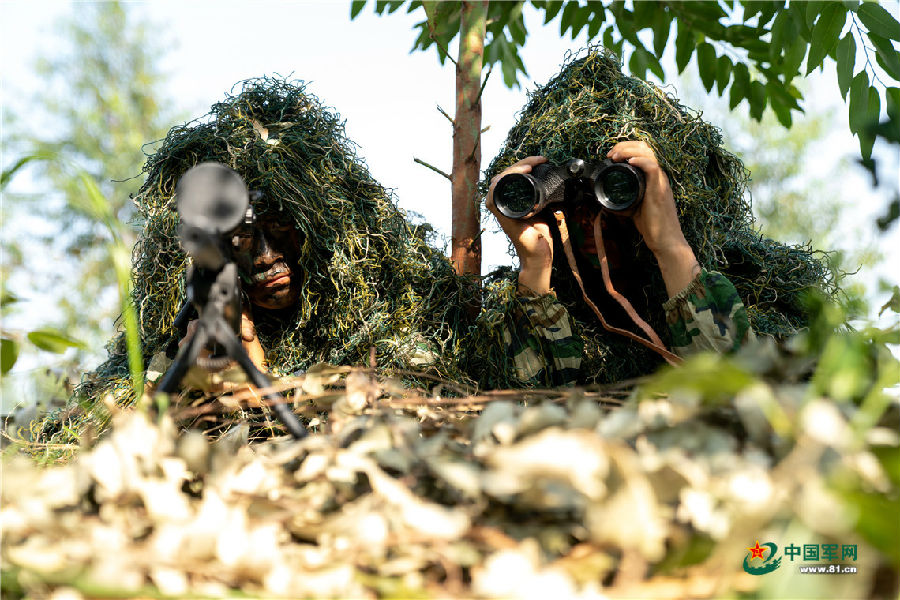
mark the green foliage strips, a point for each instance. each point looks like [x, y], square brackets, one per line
[756, 49]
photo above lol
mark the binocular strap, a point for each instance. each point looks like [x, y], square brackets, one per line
[654, 342]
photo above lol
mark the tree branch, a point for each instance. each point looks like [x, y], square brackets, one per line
[484, 83]
[432, 167]
[449, 118]
[429, 22]
[862, 44]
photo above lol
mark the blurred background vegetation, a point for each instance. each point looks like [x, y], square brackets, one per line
[105, 95]
[102, 101]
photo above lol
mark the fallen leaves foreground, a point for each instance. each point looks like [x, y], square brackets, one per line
[657, 498]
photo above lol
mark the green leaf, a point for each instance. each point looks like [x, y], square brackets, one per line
[517, 30]
[887, 57]
[387, 5]
[879, 21]
[641, 60]
[877, 522]
[706, 65]
[786, 94]
[644, 12]
[890, 216]
[121, 259]
[654, 65]
[723, 73]
[596, 22]
[624, 21]
[356, 7]
[610, 43]
[740, 85]
[7, 174]
[825, 34]
[893, 304]
[844, 371]
[684, 46]
[7, 298]
[662, 24]
[782, 101]
[93, 203]
[769, 9]
[813, 9]
[782, 112]
[637, 64]
[707, 13]
[859, 101]
[505, 11]
[752, 8]
[793, 58]
[580, 20]
[779, 34]
[715, 377]
[552, 9]
[846, 58]
[608, 37]
[568, 16]
[424, 41]
[53, 341]
[504, 51]
[444, 17]
[757, 100]
[745, 36]
[867, 132]
[892, 94]
[797, 10]
[9, 352]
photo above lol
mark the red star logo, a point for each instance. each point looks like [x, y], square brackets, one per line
[757, 552]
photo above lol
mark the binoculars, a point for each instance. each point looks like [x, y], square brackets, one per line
[618, 187]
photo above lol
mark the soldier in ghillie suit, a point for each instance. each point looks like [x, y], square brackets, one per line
[675, 260]
[337, 268]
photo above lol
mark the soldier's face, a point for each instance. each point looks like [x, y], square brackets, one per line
[272, 274]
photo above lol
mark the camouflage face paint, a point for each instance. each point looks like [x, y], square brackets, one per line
[267, 257]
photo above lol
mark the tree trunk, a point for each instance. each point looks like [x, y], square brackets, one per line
[466, 227]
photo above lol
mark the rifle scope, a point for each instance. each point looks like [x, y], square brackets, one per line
[212, 202]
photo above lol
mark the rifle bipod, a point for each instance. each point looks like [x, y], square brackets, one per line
[215, 294]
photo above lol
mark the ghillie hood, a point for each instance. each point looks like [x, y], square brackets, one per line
[583, 112]
[371, 278]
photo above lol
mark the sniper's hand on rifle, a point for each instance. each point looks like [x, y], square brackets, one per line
[249, 341]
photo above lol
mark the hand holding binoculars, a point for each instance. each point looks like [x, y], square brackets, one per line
[616, 186]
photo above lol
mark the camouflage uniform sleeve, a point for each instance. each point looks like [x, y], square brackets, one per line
[540, 341]
[707, 315]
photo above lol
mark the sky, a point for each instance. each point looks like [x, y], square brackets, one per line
[364, 70]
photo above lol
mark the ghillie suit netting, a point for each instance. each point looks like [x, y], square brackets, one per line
[371, 278]
[583, 112]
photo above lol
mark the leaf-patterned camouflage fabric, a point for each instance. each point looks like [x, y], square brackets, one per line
[707, 315]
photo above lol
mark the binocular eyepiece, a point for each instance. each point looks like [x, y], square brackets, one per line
[618, 187]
